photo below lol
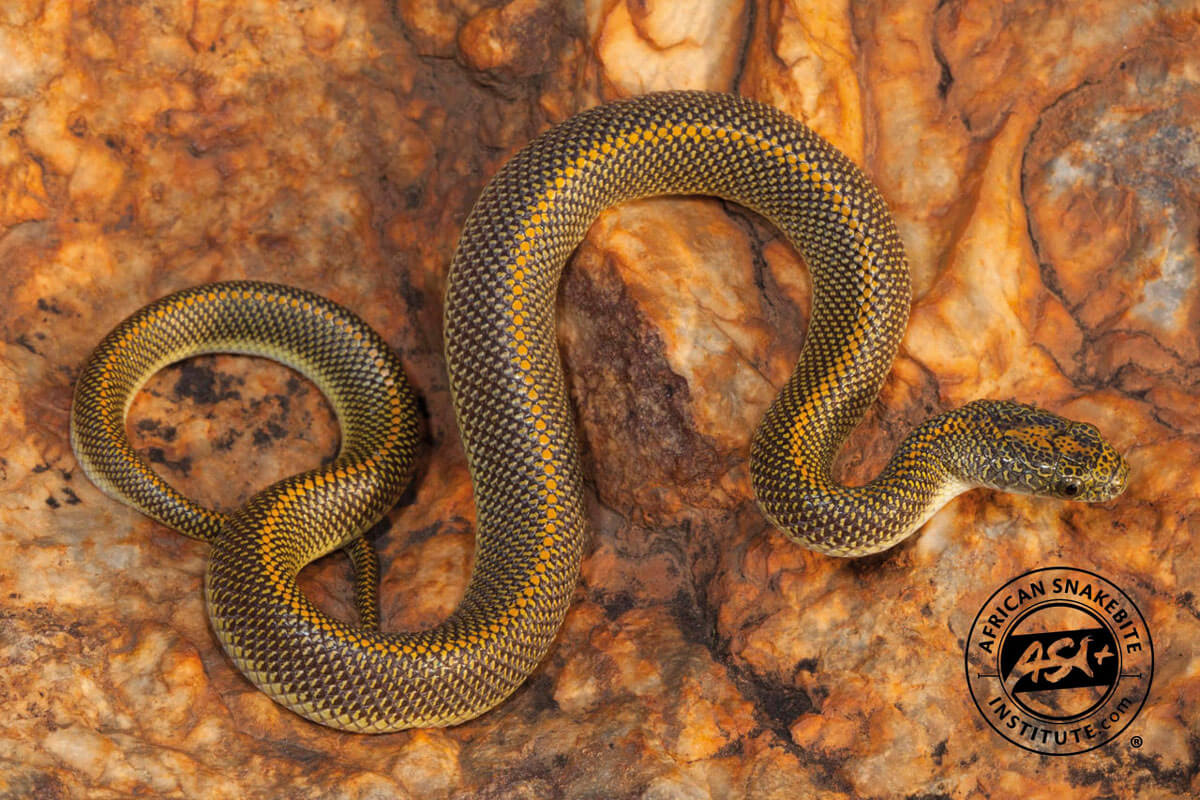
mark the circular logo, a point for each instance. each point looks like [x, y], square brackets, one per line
[1059, 661]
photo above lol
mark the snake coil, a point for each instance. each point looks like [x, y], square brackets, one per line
[511, 404]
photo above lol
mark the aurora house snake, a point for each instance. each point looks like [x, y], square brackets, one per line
[516, 425]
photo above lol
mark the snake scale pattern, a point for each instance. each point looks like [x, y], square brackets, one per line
[516, 424]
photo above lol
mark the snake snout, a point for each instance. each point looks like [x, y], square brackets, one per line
[1112, 482]
[1099, 470]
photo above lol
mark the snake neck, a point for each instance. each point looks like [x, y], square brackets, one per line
[940, 459]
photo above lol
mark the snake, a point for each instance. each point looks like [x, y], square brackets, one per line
[514, 417]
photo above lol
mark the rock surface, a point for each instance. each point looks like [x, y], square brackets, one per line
[1042, 160]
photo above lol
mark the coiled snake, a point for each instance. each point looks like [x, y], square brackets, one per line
[516, 424]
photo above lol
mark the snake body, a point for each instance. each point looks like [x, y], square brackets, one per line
[511, 403]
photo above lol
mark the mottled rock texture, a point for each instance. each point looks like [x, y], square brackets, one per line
[1042, 160]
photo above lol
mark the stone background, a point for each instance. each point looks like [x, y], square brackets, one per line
[1043, 162]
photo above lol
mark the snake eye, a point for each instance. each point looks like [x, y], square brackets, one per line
[1070, 489]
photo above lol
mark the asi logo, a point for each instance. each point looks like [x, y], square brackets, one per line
[1059, 661]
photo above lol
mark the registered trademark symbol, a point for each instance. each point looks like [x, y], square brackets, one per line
[1135, 742]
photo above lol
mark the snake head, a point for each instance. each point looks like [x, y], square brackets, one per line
[1032, 451]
